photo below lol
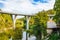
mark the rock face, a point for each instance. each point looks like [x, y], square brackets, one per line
[30, 38]
[51, 24]
[49, 31]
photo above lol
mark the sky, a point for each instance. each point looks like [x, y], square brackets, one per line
[26, 7]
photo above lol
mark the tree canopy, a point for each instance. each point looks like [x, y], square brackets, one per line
[57, 9]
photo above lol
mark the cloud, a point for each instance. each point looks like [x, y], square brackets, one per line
[26, 7]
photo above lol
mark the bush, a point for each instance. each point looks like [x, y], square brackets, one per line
[17, 34]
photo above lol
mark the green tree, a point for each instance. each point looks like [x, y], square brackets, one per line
[39, 27]
[6, 28]
[57, 16]
[17, 34]
[57, 9]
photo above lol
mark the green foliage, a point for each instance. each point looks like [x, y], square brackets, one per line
[3, 36]
[6, 21]
[6, 28]
[51, 12]
[54, 35]
[17, 34]
[57, 16]
[57, 9]
[39, 26]
[20, 23]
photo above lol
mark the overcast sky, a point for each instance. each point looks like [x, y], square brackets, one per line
[27, 7]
